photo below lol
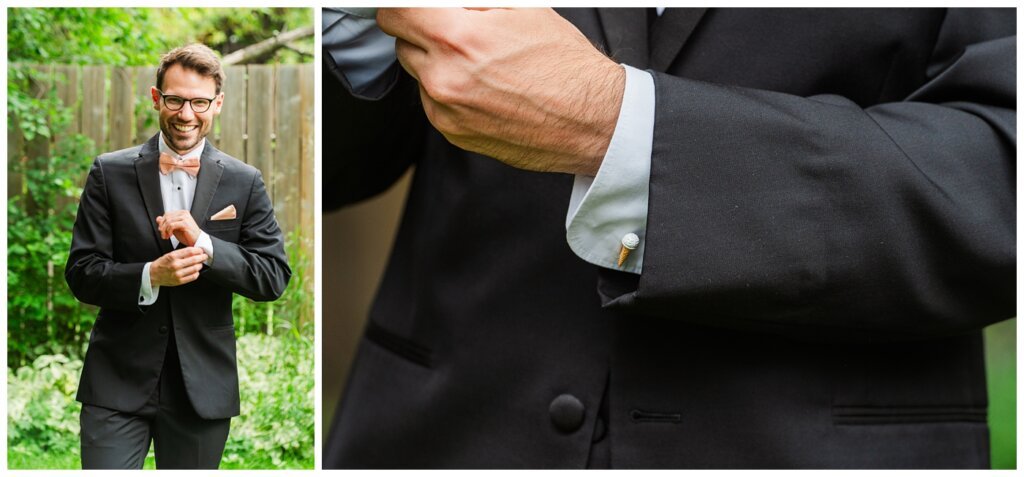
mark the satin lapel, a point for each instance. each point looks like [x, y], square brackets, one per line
[210, 170]
[670, 33]
[147, 168]
[625, 31]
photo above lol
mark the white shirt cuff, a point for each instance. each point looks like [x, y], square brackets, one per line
[147, 292]
[206, 244]
[604, 208]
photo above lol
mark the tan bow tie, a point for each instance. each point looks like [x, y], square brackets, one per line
[168, 164]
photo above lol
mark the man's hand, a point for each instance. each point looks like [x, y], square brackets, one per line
[181, 225]
[523, 86]
[177, 268]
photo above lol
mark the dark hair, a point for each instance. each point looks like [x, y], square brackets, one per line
[196, 57]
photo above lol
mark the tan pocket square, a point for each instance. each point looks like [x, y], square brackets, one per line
[227, 213]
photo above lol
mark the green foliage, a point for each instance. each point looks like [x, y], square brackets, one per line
[117, 36]
[138, 36]
[274, 431]
[41, 410]
[40, 217]
[276, 425]
[230, 29]
[1001, 370]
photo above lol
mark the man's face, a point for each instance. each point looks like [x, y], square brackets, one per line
[184, 128]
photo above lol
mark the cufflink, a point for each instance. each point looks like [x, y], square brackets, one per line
[629, 243]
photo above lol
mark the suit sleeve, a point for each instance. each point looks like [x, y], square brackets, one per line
[368, 145]
[91, 272]
[822, 219]
[257, 266]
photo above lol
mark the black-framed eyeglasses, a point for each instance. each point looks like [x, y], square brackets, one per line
[175, 103]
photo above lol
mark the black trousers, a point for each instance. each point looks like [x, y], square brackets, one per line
[182, 440]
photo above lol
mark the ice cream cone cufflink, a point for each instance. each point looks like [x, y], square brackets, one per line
[629, 243]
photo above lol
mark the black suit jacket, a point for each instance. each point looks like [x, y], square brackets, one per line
[831, 224]
[115, 235]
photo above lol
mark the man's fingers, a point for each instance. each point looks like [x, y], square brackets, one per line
[187, 252]
[411, 57]
[170, 222]
[419, 26]
[184, 272]
[187, 262]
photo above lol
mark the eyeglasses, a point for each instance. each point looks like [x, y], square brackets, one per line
[175, 103]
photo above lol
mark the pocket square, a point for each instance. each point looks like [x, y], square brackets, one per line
[227, 213]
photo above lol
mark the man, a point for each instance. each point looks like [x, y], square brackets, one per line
[784, 235]
[166, 232]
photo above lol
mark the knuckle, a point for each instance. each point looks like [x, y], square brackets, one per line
[455, 35]
[441, 88]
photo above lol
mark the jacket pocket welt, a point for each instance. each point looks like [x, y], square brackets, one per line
[399, 345]
[872, 415]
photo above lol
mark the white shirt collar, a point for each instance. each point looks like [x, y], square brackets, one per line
[196, 153]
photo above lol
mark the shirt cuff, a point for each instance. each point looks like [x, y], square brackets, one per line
[206, 244]
[363, 54]
[147, 292]
[605, 208]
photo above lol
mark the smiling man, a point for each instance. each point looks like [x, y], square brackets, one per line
[166, 232]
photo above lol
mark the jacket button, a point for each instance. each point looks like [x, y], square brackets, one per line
[163, 329]
[567, 413]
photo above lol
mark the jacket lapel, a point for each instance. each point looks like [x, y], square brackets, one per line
[670, 33]
[625, 32]
[147, 168]
[210, 170]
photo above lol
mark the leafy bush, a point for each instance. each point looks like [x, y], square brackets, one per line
[42, 415]
[276, 425]
[43, 316]
[275, 429]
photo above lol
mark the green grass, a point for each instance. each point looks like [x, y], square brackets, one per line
[48, 461]
[1001, 368]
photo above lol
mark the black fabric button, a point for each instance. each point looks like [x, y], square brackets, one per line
[163, 330]
[567, 413]
[141, 299]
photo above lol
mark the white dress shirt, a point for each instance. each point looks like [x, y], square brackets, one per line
[606, 207]
[177, 189]
[602, 209]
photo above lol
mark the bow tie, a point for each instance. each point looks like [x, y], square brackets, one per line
[168, 164]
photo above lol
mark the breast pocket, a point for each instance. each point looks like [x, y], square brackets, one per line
[227, 230]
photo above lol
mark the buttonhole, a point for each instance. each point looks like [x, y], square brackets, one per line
[638, 415]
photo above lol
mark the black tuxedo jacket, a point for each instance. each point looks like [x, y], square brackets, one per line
[115, 235]
[831, 224]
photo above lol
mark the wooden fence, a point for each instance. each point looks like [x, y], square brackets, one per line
[266, 121]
